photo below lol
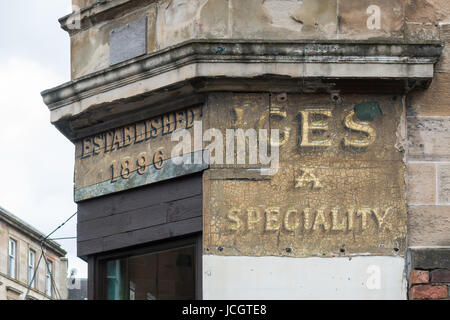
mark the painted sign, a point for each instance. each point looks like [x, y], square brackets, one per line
[339, 189]
[131, 156]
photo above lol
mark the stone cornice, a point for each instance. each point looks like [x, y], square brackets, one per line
[243, 59]
[97, 12]
[245, 52]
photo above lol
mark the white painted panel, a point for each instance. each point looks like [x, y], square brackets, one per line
[363, 277]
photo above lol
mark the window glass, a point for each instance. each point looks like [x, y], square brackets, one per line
[48, 279]
[12, 258]
[115, 279]
[31, 260]
[163, 275]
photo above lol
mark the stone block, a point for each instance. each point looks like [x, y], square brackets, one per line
[444, 63]
[90, 48]
[421, 187]
[434, 100]
[365, 19]
[431, 11]
[428, 138]
[83, 3]
[416, 31]
[289, 19]
[429, 226]
[444, 183]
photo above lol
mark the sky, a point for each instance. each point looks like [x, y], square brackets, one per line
[36, 160]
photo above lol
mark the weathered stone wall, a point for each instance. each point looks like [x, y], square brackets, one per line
[428, 156]
[343, 205]
[83, 3]
[403, 176]
[428, 127]
[327, 198]
[171, 22]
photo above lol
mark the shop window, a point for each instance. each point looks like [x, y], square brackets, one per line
[161, 275]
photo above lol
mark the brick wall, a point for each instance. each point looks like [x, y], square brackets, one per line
[429, 284]
[429, 275]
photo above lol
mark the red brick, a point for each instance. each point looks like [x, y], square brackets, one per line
[429, 292]
[419, 276]
[440, 276]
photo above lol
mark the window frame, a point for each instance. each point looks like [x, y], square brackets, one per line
[97, 265]
[48, 277]
[12, 272]
[31, 282]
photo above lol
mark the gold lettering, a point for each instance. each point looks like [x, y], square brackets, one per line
[363, 213]
[117, 142]
[114, 170]
[142, 163]
[180, 120]
[126, 171]
[152, 127]
[253, 217]
[381, 217]
[321, 220]
[158, 159]
[361, 126]
[272, 219]
[140, 132]
[98, 144]
[336, 220]
[235, 222]
[308, 178]
[238, 114]
[168, 121]
[335, 224]
[350, 216]
[287, 222]
[307, 221]
[129, 133]
[309, 127]
[276, 112]
[190, 116]
[109, 137]
[87, 147]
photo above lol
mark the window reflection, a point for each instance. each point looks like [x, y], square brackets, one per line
[166, 275]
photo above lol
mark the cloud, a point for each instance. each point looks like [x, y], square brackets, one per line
[36, 160]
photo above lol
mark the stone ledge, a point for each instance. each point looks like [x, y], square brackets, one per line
[226, 59]
[265, 52]
[12, 289]
[92, 14]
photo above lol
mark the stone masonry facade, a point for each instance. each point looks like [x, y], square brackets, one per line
[428, 158]
[234, 38]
